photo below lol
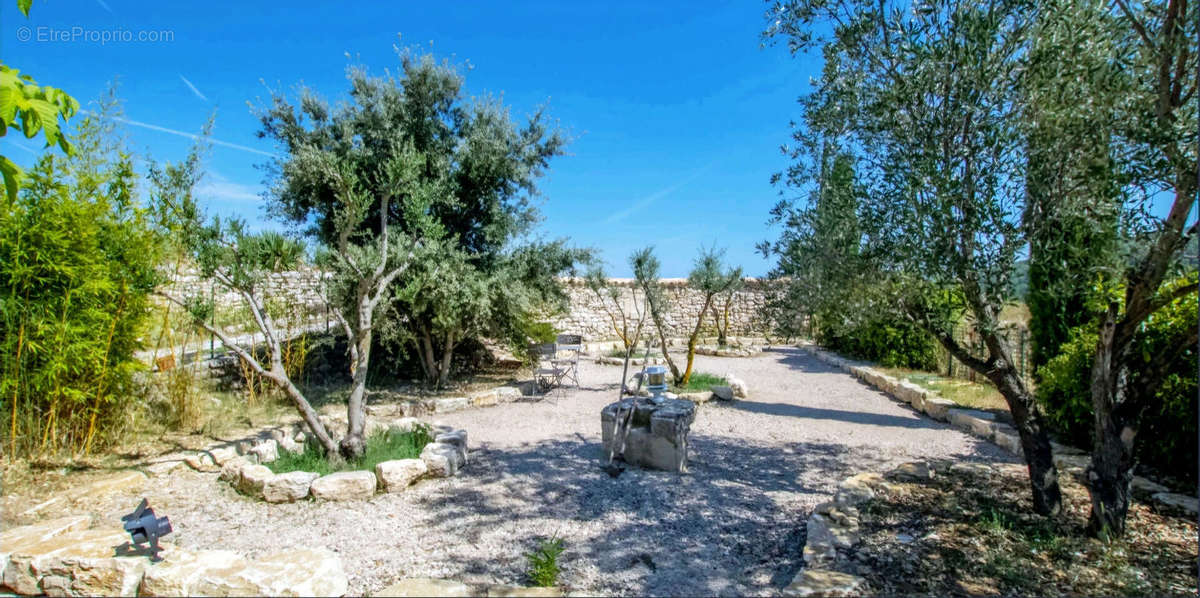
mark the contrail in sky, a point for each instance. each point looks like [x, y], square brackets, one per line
[653, 197]
[193, 88]
[191, 136]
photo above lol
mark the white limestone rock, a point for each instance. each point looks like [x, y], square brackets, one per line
[738, 386]
[399, 474]
[345, 485]
[1178, 501]
[231, 471]
[938, 408]
[916, 471]
[190, 573]
[824, 582]
[442, 460]
[253, 478]
[444, 588]
[288, 487]
[266, 452]
[457, 439]
[76, 563]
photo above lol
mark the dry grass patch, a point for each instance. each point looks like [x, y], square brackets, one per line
[973, 395]
[967, 533]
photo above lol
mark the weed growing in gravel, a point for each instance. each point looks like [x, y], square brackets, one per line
[383, 445]
[543, 562]
[994, 520]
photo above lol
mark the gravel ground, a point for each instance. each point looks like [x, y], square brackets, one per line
[733, 525]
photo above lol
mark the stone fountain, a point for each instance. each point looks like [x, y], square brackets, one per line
[657, 435]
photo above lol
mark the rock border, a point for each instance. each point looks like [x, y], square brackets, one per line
[444, 457]
[67, 557]
[983, 425]
[290, 434]
[730, 351]
[832, 529]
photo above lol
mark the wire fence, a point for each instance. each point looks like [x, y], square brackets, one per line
[1019, 347]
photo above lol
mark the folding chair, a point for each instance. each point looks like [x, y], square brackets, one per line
[547, 375]
[574, 344]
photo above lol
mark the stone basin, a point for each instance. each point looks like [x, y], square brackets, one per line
[658, 432]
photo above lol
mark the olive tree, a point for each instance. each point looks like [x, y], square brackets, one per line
[470, 177]
[710, 278]
[1146, 86]
[619, 316]
[926, 96]
[235, 260]
[723, 307]
[646, 276]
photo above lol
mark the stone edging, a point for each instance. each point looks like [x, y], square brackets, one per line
[442, 458]
[982, 424]
[65, 557]
[833, 528]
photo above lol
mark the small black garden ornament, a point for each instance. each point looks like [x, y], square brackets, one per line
[146, 528]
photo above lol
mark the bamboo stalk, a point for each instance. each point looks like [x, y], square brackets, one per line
[12, 450]
[62, 332]
[112, 327]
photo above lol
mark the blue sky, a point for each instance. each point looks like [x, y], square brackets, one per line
[676, 112]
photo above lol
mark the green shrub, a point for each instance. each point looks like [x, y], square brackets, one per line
[383, 445]
[543, 563]
[77, 257]
[890, 343]
[1166, 439]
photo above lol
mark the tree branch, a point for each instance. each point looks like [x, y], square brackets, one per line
[229, 343]
[1137, 25]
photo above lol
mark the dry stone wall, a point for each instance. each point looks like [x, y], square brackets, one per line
[297, 288]
[586, 315]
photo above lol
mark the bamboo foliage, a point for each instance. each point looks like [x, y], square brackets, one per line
[77, 263]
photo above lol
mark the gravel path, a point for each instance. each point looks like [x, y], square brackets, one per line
[732, 526]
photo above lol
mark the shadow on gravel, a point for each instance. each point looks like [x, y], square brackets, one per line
[854, 417]
[733, 525]
[802, 361]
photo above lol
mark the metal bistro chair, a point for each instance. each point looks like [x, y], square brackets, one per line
[572, 343]
[547, 375]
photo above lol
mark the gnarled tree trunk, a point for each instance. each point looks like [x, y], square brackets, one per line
[354, 444]
[1035, 442]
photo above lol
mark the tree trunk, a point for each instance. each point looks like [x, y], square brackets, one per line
[721, 339]
[1035, 442]
[691, 346]
[724, 327]
[1109, 476]
[428, 358]
[1111, 471]
[443, 373]
[662, 338]
[354, 444]
[307, 413]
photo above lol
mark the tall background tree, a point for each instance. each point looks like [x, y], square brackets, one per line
[646, 269]
[1065, 129]
[1155, 45]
